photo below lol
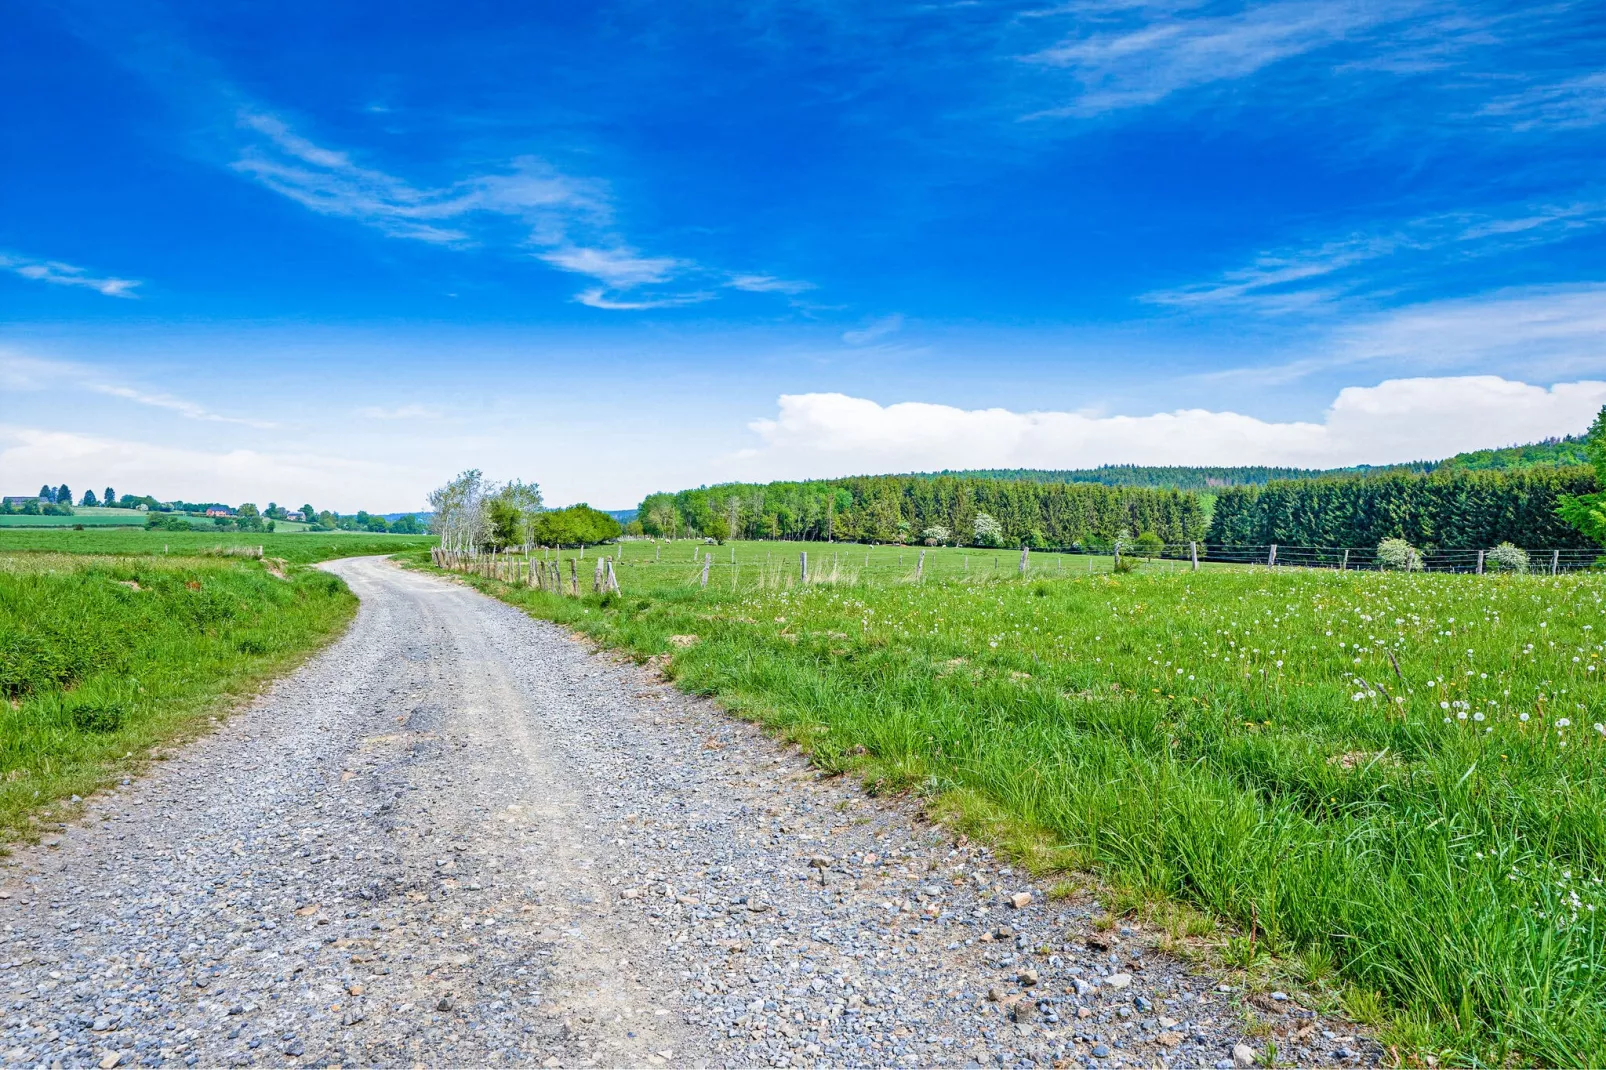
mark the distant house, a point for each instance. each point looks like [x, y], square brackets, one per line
[215, 511]
[296, 516]
[21, 499]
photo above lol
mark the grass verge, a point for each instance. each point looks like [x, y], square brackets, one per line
[104, 660]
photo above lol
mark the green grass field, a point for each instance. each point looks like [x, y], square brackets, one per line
[297, 548]
[90, 516]
[1396, 783]
[103, 658]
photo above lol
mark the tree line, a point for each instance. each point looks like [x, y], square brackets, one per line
[1449, 508]
[936, 510]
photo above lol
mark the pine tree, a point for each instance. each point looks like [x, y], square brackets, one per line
[110, 498]
[89, 498]
[64, 495]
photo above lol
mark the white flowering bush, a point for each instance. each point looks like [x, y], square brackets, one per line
[1398, 556]
[936, 535]
[989, 532]
[1507, 558]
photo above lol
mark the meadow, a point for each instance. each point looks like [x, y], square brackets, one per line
[1391, 785]
[296, 547]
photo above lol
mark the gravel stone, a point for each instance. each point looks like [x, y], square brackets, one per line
[458, 836]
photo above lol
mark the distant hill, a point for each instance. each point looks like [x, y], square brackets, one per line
[1552, 451]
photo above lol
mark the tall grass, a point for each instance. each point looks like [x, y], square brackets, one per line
[104, 658]
[1240, 740]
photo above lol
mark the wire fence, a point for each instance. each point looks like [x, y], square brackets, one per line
[781, 564]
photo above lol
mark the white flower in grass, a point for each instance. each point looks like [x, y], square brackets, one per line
[1563, 722]
[1522, 717]
[1461, 716]
[1477, 716]
[1444, 705]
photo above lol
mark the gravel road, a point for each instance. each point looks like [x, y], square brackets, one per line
[459, 837]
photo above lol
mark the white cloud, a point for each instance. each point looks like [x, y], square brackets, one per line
[1566, 105]
[569, 220]
[1397, 420]
[1302, 278]
[874, 330]
[60, 274]
[598, 298]
[31, 456]
[616, 267]
[1141, 65]
[31, 373]
[768, 284]
[1560, 329]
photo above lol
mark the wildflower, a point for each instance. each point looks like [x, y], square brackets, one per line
[1563, 722]
[1461, 716]
[1444, 705]
[1477, 716]
[1522, 717]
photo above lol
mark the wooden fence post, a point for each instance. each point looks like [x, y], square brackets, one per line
[1555, 561]
[574, 578]
[803, 566]
[1271, 558]
[1480, 562]
[596, 576]
[920, 566]
[708, 559]
[1193, 553]
[1023, 552]
[611, 580]
[1343, 564]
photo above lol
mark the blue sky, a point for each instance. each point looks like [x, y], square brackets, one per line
[338, 252]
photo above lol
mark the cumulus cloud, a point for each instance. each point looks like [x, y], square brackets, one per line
[1396, 420]
[34, 456]
[58, 273]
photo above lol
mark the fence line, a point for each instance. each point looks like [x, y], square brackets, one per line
[831, 564]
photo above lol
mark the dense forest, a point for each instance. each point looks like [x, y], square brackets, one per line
[1451, 508]
[937, 510]
[1554, 451]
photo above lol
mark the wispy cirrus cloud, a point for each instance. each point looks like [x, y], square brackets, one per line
[768, 284]
[568, 221]
[874, 330]
[1307, 278]
[58, 273]
[598, 298]
[618, 267]
[1565, 105]
[24, 373]
[1156, 52]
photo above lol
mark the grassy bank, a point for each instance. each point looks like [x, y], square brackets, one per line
[1237, 739]
[294, 547]
[103, 658]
